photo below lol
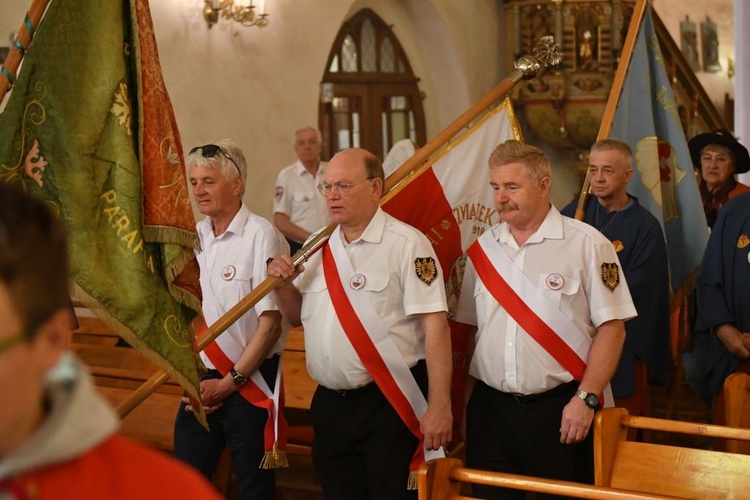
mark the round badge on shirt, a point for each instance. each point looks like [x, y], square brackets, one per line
[228, 272]
[357, 281]
[555, 281]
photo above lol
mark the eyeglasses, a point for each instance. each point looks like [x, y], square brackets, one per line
[210, 151]
[342, 187]
[10, 342]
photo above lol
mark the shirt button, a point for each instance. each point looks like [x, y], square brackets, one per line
[510, 344]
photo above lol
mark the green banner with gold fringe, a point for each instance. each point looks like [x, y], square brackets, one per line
[90, 129]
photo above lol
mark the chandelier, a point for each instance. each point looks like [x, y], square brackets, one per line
[240, 11]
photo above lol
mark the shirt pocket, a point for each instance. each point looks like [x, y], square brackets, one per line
[556, 286]
[376, 282]
[303, 196]
[314, 296]
[376, 287]
[235, 282]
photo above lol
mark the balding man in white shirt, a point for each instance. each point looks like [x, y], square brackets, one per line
[299, 209]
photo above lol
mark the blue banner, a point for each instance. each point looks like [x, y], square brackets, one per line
[647, 119]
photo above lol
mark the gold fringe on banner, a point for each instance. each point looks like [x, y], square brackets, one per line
[412, 483]
[274, 459]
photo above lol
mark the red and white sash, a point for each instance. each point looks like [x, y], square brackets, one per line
[223, 353]
[531, 309]
[374, 345]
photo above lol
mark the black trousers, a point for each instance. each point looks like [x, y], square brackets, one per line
[293, 246]
[238, 425]
[505, 433]
[362, 448]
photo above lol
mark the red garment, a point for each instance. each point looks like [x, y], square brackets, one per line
[712, 203]
[117, 468]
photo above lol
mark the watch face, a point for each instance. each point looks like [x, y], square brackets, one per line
[237, 378]
[592, 401]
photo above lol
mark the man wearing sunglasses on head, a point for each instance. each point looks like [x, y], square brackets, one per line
[243, 363]
[58, 436]
[372, 303]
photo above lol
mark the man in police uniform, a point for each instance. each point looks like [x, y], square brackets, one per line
[538, 370]
[299, 209]
[723, 323]
[639, 242]
[234, 247]
[372, 303]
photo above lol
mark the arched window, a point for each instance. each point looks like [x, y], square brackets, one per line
[369, 94]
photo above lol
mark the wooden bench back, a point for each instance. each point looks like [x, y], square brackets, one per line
[667, 470]
[444, 478]
[119, 370]
[737, 408]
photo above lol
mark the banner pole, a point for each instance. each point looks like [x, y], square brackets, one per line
[23, 38]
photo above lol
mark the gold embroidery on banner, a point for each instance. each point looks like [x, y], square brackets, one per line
[121, 107]
[34, 113]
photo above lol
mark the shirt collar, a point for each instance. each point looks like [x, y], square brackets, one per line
[373, 233]
[632, 200]
[237, 226]
[300, 169]
[551, 228]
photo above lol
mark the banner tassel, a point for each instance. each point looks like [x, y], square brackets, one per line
[277, 459]
[412, 483]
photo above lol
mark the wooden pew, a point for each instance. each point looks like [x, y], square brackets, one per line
[299, 388]
[667, 470]
[737, 408]
[444, 479]
[119, 370]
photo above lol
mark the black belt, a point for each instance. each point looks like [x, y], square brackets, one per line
[353, 393]
[419, 371]
[264, 368]
[533, 398]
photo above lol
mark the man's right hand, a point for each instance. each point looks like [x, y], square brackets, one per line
[736, 342]
[283, 267]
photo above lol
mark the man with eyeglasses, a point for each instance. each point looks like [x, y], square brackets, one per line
[243, 363]
[718, 156]
[298, 207]
[372, 303]
[58, 436]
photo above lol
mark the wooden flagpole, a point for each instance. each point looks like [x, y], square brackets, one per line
[614, 94]
[34, 16]
[546, 54]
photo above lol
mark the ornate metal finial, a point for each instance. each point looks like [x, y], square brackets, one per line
[546, 53]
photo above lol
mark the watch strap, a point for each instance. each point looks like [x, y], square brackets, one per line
[238, 378]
